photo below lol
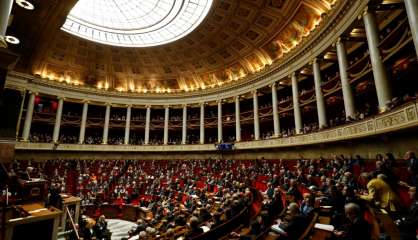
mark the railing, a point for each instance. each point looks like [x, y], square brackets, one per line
[226, 227]
[72, 222]
[403, 117]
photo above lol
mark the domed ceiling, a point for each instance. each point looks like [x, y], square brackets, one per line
[236, 39]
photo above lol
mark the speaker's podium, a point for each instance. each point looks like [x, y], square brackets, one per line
[32, 189]
[32, 221]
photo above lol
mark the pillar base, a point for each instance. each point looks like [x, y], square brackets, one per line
[383, 109]
[3, 43]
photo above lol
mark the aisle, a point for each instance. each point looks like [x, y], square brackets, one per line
[119, 228]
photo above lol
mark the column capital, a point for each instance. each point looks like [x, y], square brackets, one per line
[60, 98]
[339, 41]
[128, 105]
[85, 101]
[33, 92]
[184, 105]
[293, 74]
[236, 98]
[315, 60]
[219, 101]
[202, 104]
[108, 104]
[254, 91]
[22, 92]
[3, 43]
[147, 106]
[366, 10]
[166, 106]
[274, 84]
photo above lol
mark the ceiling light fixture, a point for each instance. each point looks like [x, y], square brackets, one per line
[12, 40]
[25, 4]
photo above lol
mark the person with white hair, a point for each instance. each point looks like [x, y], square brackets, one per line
[357, 227]
[293, 222]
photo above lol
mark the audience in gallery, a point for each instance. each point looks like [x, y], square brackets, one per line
[68, 138]
[363, 112]
[42, 137]
[191, 194]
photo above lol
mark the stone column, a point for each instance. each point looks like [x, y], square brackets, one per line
[202, 123]
[166, 118]
[184, 126]
[28, 117]
[83, 123]
[320, 104]
[5, 10]
[58, 116]
[19, 120]
[128, 124]
[274, 104]
[220, 137]
[147, 125]
[296, 109]
[256, 118]
[349, 106]
[237, 120]
[412, 12]
[106, 124]
[379, 72]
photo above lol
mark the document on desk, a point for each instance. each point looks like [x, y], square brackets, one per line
[325, 227]
[278, 229]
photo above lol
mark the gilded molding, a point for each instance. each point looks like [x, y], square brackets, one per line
[336, 23]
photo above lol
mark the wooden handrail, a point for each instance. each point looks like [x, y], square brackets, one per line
[72, 223]
[230, 223]
[310, 226]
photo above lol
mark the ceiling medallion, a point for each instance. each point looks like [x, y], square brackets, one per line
[128, 23]
[12, 40]
[25, 4]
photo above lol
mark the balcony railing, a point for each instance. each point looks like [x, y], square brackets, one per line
[400, 118]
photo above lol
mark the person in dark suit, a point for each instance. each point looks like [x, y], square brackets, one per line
[357, 228]
[54, 197]
[408, 225]
[100, 229]
[412, 164]
[195, 229]
[294, 223]
[293, 192]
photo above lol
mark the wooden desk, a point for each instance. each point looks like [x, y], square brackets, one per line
[38, 215]
[319, 234]
[73, 203]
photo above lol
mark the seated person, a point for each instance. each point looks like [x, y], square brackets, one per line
[308, 204]
[381, 194]
[357, 227]
[408, 224]
[195, 229]
[252, 233]
[293, 223]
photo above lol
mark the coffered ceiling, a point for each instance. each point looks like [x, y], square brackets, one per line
[235, 40]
